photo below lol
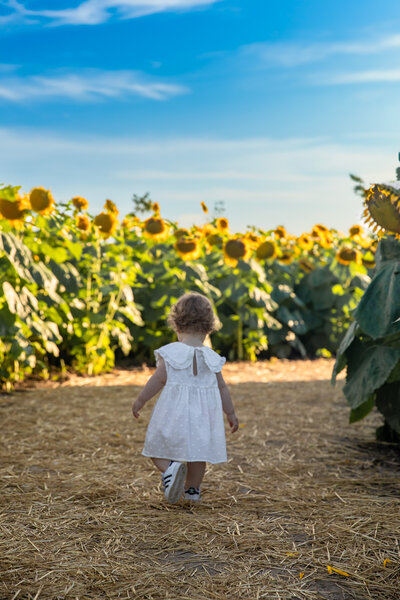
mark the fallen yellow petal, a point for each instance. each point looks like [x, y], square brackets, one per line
[242, 425]
[386, 561]
[338, 571]
[291, 553]
[301, 575]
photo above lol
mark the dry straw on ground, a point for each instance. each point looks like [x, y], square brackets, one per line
[82, 515]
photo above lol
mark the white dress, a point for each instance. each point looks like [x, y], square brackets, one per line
[187, 422]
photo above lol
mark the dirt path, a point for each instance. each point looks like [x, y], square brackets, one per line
[82, 515]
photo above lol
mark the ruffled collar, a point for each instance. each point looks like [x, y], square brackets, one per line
[180, 356]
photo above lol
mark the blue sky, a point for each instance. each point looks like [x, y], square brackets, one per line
[265, 105]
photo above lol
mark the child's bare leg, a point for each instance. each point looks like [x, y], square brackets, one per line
[195, 474]
[161, 463]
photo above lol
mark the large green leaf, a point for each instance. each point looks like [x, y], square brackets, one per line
[293, 318]
[57, 253]
[43, 277]
[123, 336]
[368, 368]
[379, 307]
[321, 277]
[395, 374]
[284, 294]
[361, 281]
[18, 254]
[388, 250]
[16, 306]
[323, 298]
[75, 249]
[356, 414]
[21, 258]
[67, 275]
[131, 312]
[259, 298]
[341, 359]
[388, 403]
[7, 322]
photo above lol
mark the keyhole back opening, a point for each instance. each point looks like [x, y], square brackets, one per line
[194, 363]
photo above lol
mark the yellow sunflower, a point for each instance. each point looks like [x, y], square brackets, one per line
[326, 241]
[41, 201]
[368, 260]
[280, 232]
[156, 208]
[252, 239]
[204, 207]
[356, 234]
[188, 248]
[83, 223]
[222, 225]
[181, 232]
[266, 250]
[347, 254]
[155, 228]
[322, 235]
[355, 230]
[305, 242]
[382, 209]
[306, 265]
[208, 230]
[236, 249]
[14, 210]
[107, 223]
[80, 203]
[213, 239]
[111, 207]
[321, 228]
[286, 256]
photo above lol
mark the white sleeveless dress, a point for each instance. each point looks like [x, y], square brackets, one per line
[187, 422]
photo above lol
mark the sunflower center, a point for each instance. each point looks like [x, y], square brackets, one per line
[347, 254]
[154, 225]
[11, 210]
[266, 250]
[105, 222]
[40, 199]
[185, 246]
[235, 249]
[83, 223]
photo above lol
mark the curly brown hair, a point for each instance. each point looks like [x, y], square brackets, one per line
[193, 312]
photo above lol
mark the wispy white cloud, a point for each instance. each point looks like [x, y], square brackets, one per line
[93, 12]
[87, 85]
[355, 77]
[296, 182]
[293, 54]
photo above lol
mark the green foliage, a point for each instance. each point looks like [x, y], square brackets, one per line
[75, 297]
[371, 347]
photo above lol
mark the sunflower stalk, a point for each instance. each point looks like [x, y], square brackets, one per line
[240, 352]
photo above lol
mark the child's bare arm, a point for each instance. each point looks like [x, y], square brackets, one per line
[152, 387]
[227, 404]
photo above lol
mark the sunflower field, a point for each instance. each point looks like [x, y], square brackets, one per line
[83, 291]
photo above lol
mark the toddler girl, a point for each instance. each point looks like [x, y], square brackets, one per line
[187, 423]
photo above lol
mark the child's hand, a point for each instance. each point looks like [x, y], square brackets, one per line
[233, 422]
[136, 407]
